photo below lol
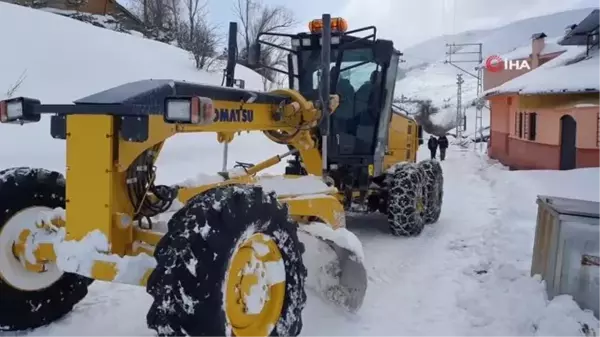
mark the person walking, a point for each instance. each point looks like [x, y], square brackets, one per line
[432, 144]
[443, 144]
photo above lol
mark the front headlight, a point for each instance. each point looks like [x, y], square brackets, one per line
[189, 110]
[178, 110]
[18, 110]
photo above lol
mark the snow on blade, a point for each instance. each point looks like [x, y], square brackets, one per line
[201, 179]
[341, 236]
[294, 186]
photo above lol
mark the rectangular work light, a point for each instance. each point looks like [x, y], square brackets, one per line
[19, 110]
[189, 110]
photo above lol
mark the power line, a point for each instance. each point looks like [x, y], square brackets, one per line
[473, 57]
[460, 123]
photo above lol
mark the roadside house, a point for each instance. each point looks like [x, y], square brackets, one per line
[548, 118]
[113, 8]
[539, 51]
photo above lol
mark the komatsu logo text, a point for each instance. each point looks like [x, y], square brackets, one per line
[234, 115]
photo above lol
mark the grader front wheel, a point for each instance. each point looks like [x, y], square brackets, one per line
[30, 299]
[230, 264]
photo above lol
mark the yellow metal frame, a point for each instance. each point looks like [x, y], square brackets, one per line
[97, 160]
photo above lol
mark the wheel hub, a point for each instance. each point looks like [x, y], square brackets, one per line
[253, 302]
[420, 205]
[16, 270]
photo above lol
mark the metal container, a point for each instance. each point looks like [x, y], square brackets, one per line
[566, 251]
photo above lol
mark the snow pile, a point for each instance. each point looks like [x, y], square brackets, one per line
[91, 60]
[506, 260]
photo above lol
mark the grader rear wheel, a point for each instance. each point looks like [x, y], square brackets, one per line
[30, 299]
[230, 264]
[434, 189]
[406, 200]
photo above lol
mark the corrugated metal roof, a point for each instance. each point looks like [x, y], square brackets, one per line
[578, 35]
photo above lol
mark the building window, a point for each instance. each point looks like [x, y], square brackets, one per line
[525, 125]
[520, 131]
[598, 130]
[532, 117]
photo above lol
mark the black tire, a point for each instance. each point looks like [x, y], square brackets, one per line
[404, 200]
[434, 189]
[229, 213]
[21, 188]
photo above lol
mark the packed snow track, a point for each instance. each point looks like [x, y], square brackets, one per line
[467, 274]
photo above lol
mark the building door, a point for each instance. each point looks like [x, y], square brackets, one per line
[568, 137]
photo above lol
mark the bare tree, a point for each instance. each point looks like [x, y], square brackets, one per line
[203, 43]
[423, 116]
[160, 17]
[197, 35]
[76, 4]
[256, 17]
[10, 92]
[175, 8]
[196, 12]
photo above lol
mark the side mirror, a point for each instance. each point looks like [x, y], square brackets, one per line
[254, 54]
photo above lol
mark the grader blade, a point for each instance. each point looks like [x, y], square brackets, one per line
[334, 260]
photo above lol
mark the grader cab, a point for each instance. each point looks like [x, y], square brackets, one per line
[236, 255]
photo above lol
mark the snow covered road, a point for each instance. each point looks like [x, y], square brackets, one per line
[468, 274]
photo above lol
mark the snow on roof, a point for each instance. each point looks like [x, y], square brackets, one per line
[550, 46]
[572, 71]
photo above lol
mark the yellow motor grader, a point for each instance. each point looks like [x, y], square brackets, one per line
[233, 258]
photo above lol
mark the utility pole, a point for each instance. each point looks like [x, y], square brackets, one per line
[459, 118]
[473, 54]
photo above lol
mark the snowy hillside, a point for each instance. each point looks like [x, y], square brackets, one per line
[64, 59]
[467, 274]
[426, 75]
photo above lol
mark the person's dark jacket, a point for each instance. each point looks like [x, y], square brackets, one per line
[443, 142]
[432, 143]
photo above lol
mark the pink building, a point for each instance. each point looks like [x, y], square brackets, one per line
[548, 117]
